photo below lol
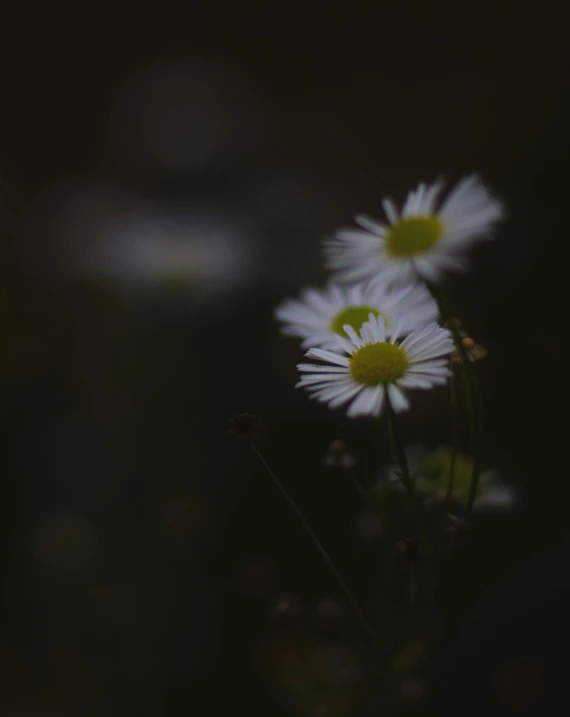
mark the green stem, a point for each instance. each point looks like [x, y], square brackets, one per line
[360, 490]
[453, 402]
[471, 391]
[398, 447]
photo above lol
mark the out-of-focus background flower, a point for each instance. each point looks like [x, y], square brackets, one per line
[166, 176]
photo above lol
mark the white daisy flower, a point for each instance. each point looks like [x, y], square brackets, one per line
[431, 470]
[321, 314]
[376, 366]
[425, 239]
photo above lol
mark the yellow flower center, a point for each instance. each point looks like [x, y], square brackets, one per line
[413, 236]
[437, 468]
[378, 363]
[354, 316]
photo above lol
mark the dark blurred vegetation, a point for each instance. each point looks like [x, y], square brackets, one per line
[149, 566]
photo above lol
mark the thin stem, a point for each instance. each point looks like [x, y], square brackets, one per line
[413, 584]
[471, 390]
[358, 485]
[453, 401]
[477, 438]
[398, 447]
[305, 523]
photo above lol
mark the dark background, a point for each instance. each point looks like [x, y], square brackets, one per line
[143, 547]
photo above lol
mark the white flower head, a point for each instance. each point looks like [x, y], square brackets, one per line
[376, 367]
[426, 238]
[320, 315]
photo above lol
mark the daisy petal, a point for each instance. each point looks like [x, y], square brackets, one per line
[397, 399]
[328, 356]
[370, 224]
